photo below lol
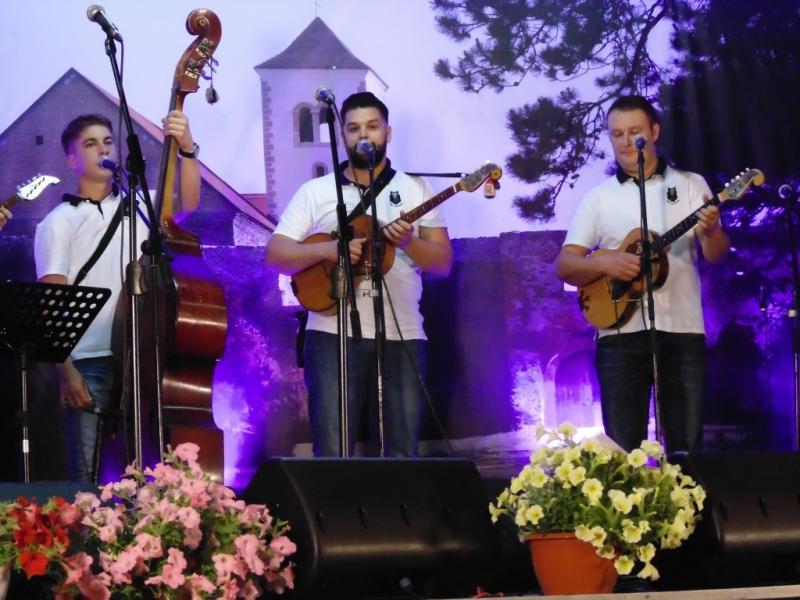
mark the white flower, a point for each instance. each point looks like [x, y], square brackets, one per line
[624, 565]
[637, 458]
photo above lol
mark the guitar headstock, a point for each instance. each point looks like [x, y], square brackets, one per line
[473, 181]
[737, 186]
[31, 189]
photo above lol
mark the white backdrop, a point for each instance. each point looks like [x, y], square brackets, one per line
[436, 126]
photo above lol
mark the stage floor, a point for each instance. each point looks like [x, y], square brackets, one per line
[753, 593]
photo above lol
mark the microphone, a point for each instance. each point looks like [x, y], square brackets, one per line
[365, 147]
[97, 14]
[107, 163]
[640, 142]
[324, 94]
[785, 191]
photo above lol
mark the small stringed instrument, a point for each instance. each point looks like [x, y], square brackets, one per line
[30, 190]
[312, 285]
[609, 303]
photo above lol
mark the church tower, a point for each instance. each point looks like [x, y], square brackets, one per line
[296, 144]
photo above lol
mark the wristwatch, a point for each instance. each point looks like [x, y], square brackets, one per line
[191, 154]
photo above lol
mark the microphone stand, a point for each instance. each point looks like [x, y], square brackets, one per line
[794, 312]
[377, 301]
[134, 271]
[342, 287]
[647, 267]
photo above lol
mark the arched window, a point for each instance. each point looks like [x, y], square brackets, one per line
[324, 134]
[319, 169]
[305, 125]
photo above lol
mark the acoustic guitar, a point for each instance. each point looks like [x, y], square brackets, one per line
[312, 286]
[30, 190]
[610, 303]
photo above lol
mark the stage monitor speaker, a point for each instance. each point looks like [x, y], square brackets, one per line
[378, 528]
[750, 532]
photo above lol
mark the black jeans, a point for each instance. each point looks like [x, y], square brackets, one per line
[625, 372]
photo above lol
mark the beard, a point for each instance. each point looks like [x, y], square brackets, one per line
[360, 161]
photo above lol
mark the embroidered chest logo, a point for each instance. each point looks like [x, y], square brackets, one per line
[395, 199]
[672, 195]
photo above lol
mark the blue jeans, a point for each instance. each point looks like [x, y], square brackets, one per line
[81, 426]
[624, 369]
[402, 393]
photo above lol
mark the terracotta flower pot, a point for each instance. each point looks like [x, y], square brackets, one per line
[566, 565]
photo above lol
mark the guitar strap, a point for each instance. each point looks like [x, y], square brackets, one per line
[381, 181]
[104, 241]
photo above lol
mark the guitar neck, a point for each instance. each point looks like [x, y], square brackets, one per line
[9, 202]
[428, 205]
[682, 227]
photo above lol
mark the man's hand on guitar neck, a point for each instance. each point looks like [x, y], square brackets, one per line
[713, 239]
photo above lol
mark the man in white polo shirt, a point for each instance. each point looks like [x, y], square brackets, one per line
[603, 219]
[425, 247]
[66, 238]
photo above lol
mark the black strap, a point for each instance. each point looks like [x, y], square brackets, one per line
[381, 181]
[98, 252]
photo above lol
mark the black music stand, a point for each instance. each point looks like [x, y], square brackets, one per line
[43, 322]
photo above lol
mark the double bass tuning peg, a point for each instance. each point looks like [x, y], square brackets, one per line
[212, 96]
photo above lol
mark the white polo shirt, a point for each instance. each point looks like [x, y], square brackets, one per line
[611, 210]
[66, 238]
[313, 210]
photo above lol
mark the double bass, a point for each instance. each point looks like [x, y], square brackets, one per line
[185, 306]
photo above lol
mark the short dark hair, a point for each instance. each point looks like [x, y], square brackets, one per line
[74, 128]
[634, 102]
[364, 100]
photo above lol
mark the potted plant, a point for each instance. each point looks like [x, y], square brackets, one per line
[592, 498]
[168, 532]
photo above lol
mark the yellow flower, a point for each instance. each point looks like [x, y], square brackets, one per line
[516, 485]
[592, 489]
[652, 448]
[699, 496]
[534, 514]
[681, 497]
[670, 470]
[521, 519]
[540, 456]
[603, 457]
[620, 501]
[495, 512]
[577, 475]
[541, 431]
[563, 470]
[538, 477]
[599, 536]
[607, 551]
[646, 553]
[590, 445]
[648, 572]
[644, 526]
[637, 458]
[583, 533]
[630, 532]
[572, 454]
[624, 565]
[567, 429]
[503, 497]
